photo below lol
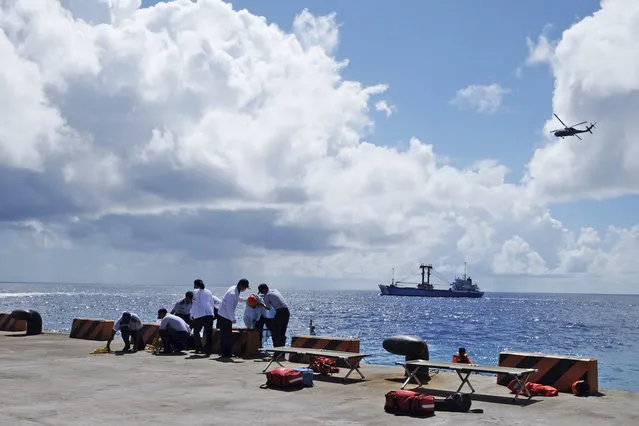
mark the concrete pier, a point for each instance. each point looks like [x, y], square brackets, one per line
[51, 379]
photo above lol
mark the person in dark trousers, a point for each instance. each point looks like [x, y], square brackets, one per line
[129, 326]
[182, 308]
[174, 332]
[279, 323]
[226, 315]
[203, 316]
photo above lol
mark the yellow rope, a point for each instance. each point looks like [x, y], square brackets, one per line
[155, 347]
[100, 351]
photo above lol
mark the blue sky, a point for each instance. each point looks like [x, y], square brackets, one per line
[427, 50]
[151, 191]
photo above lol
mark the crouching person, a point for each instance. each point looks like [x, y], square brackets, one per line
[174, 332]
[129, 326]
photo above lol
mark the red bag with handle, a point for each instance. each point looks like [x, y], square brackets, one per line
[409, 402]
[423, 405]
[281, 377]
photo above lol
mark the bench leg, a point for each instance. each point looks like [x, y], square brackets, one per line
[352, 364]
[521, 382]
[351, 370]
[464, 381]
[274, 358]
[411, 375]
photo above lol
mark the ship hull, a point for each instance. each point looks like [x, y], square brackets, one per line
[387, 290]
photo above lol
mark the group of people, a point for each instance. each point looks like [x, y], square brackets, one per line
[192, 319]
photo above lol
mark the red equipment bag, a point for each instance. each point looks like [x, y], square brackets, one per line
[423, 405]
[281, 377]
[409, 402]
[323, 365]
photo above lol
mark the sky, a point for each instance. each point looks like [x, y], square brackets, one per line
[319, 144]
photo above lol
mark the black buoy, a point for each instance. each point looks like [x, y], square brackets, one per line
[412, 347]
[33, 319]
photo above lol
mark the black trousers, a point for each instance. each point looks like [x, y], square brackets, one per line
[226, 335]
[173, 340]
[131, 337]
[278, 326]
[259, 326]
[185, 317]
[205, 322]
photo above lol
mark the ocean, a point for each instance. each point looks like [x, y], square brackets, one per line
[605, 327]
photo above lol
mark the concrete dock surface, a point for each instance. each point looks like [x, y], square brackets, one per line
[51, 379]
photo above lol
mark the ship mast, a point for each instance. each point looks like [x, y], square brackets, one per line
[425, 271]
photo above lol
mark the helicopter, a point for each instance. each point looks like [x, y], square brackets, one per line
[571, 131]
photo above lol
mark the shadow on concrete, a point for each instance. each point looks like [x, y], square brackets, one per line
[228, 360]
[493, 399]
[282, 389]
[338, 379]
[181, 353]
[17, 335]
[198, 356]
[402, 379]
[416, 416]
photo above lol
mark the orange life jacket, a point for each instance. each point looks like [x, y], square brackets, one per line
[580, 388]
[252, 301]
[461, 359]
[535, 389]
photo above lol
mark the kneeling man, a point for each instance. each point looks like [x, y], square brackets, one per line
[174, 332]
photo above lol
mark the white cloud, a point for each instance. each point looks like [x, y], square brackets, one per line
[596, 69]
[542, 50]
[151, 146]
[485, 99]
[384, 107]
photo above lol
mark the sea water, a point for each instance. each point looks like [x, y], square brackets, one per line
[605, 327]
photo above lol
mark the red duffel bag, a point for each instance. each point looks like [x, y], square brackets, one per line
[409, 402]
[281, 377]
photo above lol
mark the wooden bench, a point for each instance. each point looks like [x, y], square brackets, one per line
[521, 375]
[351, 359]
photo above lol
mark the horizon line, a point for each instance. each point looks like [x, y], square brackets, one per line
[314, 289]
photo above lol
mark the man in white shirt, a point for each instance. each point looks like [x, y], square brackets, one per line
[278, 325]
[129, 326]
[183, 308]
[203, 316]
[226, 315]
[174, 332]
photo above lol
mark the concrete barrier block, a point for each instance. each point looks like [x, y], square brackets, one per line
[91, 329]
[342, 344]
[557, 371]
[9, 324]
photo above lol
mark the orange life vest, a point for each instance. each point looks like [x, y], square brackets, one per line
[252, 301]
[461, 359]
[580, 388]
[535, 389]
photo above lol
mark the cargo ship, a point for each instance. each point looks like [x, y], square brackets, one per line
[460, 287]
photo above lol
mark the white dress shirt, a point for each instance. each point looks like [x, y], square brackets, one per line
[229, 303]
[275, 300]
[202, 303]
[135, 324]
[174, 322]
